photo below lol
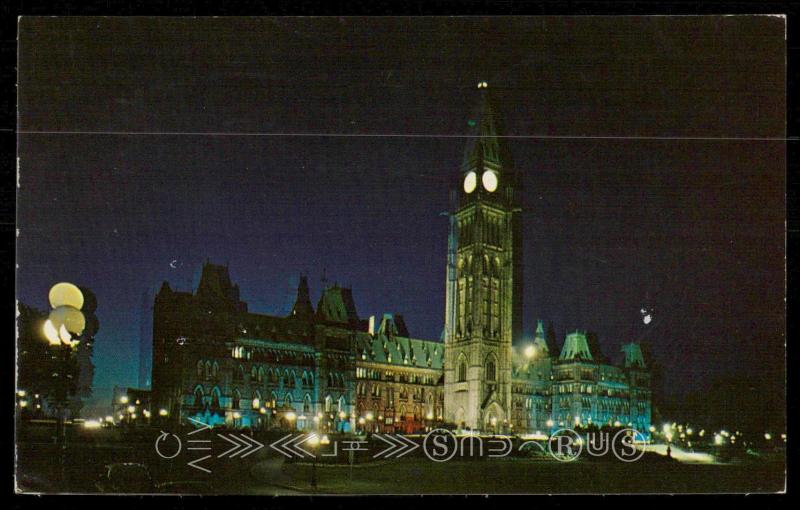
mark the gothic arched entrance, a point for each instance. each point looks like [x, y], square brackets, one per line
[493, 418]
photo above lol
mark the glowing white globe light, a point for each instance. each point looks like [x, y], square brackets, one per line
[64, 334]
[51, 333]
[530, 351]
[72, 318]
[65, 294]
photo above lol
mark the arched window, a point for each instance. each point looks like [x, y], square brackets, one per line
[491, 369]
[305, 378]
[215, 370]
[200, 368]
[328, 403]
[253, 373]
[260, 374]
[273, 400]
[215, 398]
[256, 399]
[208, 369]
[462, 370]
[237, 396]
[342, 404]
[287, 401]
[198, 396]
[293, 379]
[307, 404]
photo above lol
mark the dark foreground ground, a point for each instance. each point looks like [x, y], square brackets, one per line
[518, 476]
[268, 473]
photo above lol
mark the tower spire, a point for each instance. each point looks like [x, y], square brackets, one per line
[302, 308]
[483, 144]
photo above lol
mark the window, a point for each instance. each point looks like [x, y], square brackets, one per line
[198, 396]
[235, 399]
[307, 404]
[215, 370]
[462, 370]
[256, 399]
[200, 368]
[491, 370]
[215, 398]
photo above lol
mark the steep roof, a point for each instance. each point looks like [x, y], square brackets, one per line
[576, 347]
[336, 305]
[539, 340]
[302, 308]
[633, 355]
[393, 324]
[483, 144]
[215, 287]
[400, 351]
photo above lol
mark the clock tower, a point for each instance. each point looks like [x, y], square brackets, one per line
[484, 276]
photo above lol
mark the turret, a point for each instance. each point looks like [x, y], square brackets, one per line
[302, 308]
[539, 341]
[576, 347]
[633, 355]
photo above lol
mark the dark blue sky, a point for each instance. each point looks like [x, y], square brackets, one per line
[691, 229]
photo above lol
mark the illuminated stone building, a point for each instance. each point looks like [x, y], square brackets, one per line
[325, 368]
[490, 385]
[217, 363]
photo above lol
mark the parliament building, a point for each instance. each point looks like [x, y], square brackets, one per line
[326, 368]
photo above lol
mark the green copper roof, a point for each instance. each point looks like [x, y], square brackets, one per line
[400, 351]
[633, 355]
[576, 347]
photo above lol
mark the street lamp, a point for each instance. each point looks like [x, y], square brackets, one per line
[314, 442]
[530, 351]
[63, 327]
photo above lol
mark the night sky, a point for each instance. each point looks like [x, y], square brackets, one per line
[628, 203]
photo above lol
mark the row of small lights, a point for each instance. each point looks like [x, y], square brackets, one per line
[670, 430]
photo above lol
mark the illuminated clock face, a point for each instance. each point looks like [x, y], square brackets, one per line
[470, 182]
[489, 180]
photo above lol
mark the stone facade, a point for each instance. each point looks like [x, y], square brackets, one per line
[327, 369]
